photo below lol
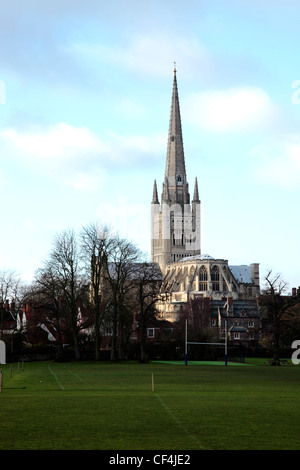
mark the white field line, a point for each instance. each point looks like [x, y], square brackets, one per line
[78, 377]
[177, 421]
[55, 376]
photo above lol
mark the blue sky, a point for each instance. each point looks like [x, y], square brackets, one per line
[85, 95]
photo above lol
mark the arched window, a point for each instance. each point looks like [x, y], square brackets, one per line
[202, 278]
[215, 278]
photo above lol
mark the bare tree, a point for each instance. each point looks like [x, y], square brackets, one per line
[274, 307]
[118, 283]
[147, 282]
[64, 261]
[10, 288]
[96, 243]
[46, 296]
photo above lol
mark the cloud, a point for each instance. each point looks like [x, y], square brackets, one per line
[152, 55]
[277, 162]
[59, 151]
[54, 143]
[231, 110]
[132, 148]
[81, 181]
[76, 156]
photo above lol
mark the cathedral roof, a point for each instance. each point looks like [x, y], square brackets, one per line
[242, 273]
[197, 257]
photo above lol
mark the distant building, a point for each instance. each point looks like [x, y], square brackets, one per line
[7, 317]
[189, 275]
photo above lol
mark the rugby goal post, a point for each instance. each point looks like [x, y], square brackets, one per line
[212, 344]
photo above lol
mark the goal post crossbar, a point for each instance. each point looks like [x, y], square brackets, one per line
[212, 344]
[216, 344]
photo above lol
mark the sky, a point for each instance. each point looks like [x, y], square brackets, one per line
[85, 97]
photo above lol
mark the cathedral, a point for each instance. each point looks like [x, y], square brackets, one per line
[188, 275]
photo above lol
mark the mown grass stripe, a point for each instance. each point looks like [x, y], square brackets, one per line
[167, 409]
[77, 376]
[55, 376]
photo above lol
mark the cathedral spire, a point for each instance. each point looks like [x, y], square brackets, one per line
[196, 192]
[175, 165]
[165, 197]
[155, 195]
[175, 222]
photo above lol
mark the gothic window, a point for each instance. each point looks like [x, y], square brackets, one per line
[202, 279]
[215, 278]
[202, 274]
[192, 277]
[178, 179]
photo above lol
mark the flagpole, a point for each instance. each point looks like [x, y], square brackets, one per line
[225, 342]
[185, 347]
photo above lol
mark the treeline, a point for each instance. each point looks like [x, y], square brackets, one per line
[93, 285]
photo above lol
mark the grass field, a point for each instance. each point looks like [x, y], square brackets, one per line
[105, 406]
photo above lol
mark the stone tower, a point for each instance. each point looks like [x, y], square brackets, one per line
[175, 221]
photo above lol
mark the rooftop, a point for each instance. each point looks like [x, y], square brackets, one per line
[196, 257]
[242, 273]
